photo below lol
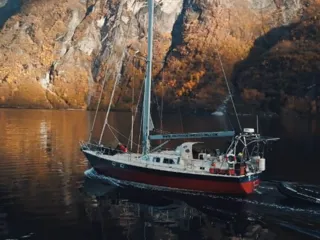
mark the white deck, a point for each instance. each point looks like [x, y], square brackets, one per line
[134, 159]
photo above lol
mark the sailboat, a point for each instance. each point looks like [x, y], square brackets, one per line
[189, 167]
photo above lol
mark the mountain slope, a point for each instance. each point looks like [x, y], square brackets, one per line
[283, 68]
[55, 54]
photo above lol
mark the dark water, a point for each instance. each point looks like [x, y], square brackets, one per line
[45, 194]
[7, 9]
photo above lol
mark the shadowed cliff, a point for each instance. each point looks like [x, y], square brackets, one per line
[282, 69]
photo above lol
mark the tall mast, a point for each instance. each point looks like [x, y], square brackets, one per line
[147, 84]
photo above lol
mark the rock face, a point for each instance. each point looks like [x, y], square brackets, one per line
[55, 54]
[283, 67]
[46, 58]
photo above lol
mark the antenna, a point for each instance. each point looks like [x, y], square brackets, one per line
[230, 94]
[257, 120]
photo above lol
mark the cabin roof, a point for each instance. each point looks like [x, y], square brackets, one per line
[165, 155]
[189, 144]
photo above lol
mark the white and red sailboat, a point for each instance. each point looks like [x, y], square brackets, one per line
[189, 167]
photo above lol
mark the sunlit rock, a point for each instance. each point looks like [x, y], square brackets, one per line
[66, 48]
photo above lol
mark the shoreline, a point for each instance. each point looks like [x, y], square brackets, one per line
[284, 112]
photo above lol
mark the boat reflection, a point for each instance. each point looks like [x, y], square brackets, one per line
[140, 214]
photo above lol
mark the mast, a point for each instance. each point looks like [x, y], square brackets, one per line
[147, 84]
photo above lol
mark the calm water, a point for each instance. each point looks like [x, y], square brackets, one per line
[44, 193]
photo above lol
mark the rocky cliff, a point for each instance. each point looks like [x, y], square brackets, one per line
[55, 54]
[283, 67]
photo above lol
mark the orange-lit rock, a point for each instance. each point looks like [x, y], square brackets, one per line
[55, 54]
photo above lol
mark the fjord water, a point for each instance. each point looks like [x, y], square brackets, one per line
[45, 193]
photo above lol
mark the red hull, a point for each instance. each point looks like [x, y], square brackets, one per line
[212, 186]
[183, 181]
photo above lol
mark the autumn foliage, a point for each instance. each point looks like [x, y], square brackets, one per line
[287, 72]
[192, 75]
[271, 56]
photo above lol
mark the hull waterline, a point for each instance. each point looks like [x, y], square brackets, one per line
[182, 181]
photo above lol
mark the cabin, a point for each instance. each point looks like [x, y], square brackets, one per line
[165, 159]
[188, 154]
[194, 151]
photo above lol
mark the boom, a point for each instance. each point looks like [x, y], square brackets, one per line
[193, 135]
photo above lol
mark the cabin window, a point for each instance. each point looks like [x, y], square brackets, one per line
[187, 150]
[156, 159]
[201, 168]
[168, 161]
[178, 160]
